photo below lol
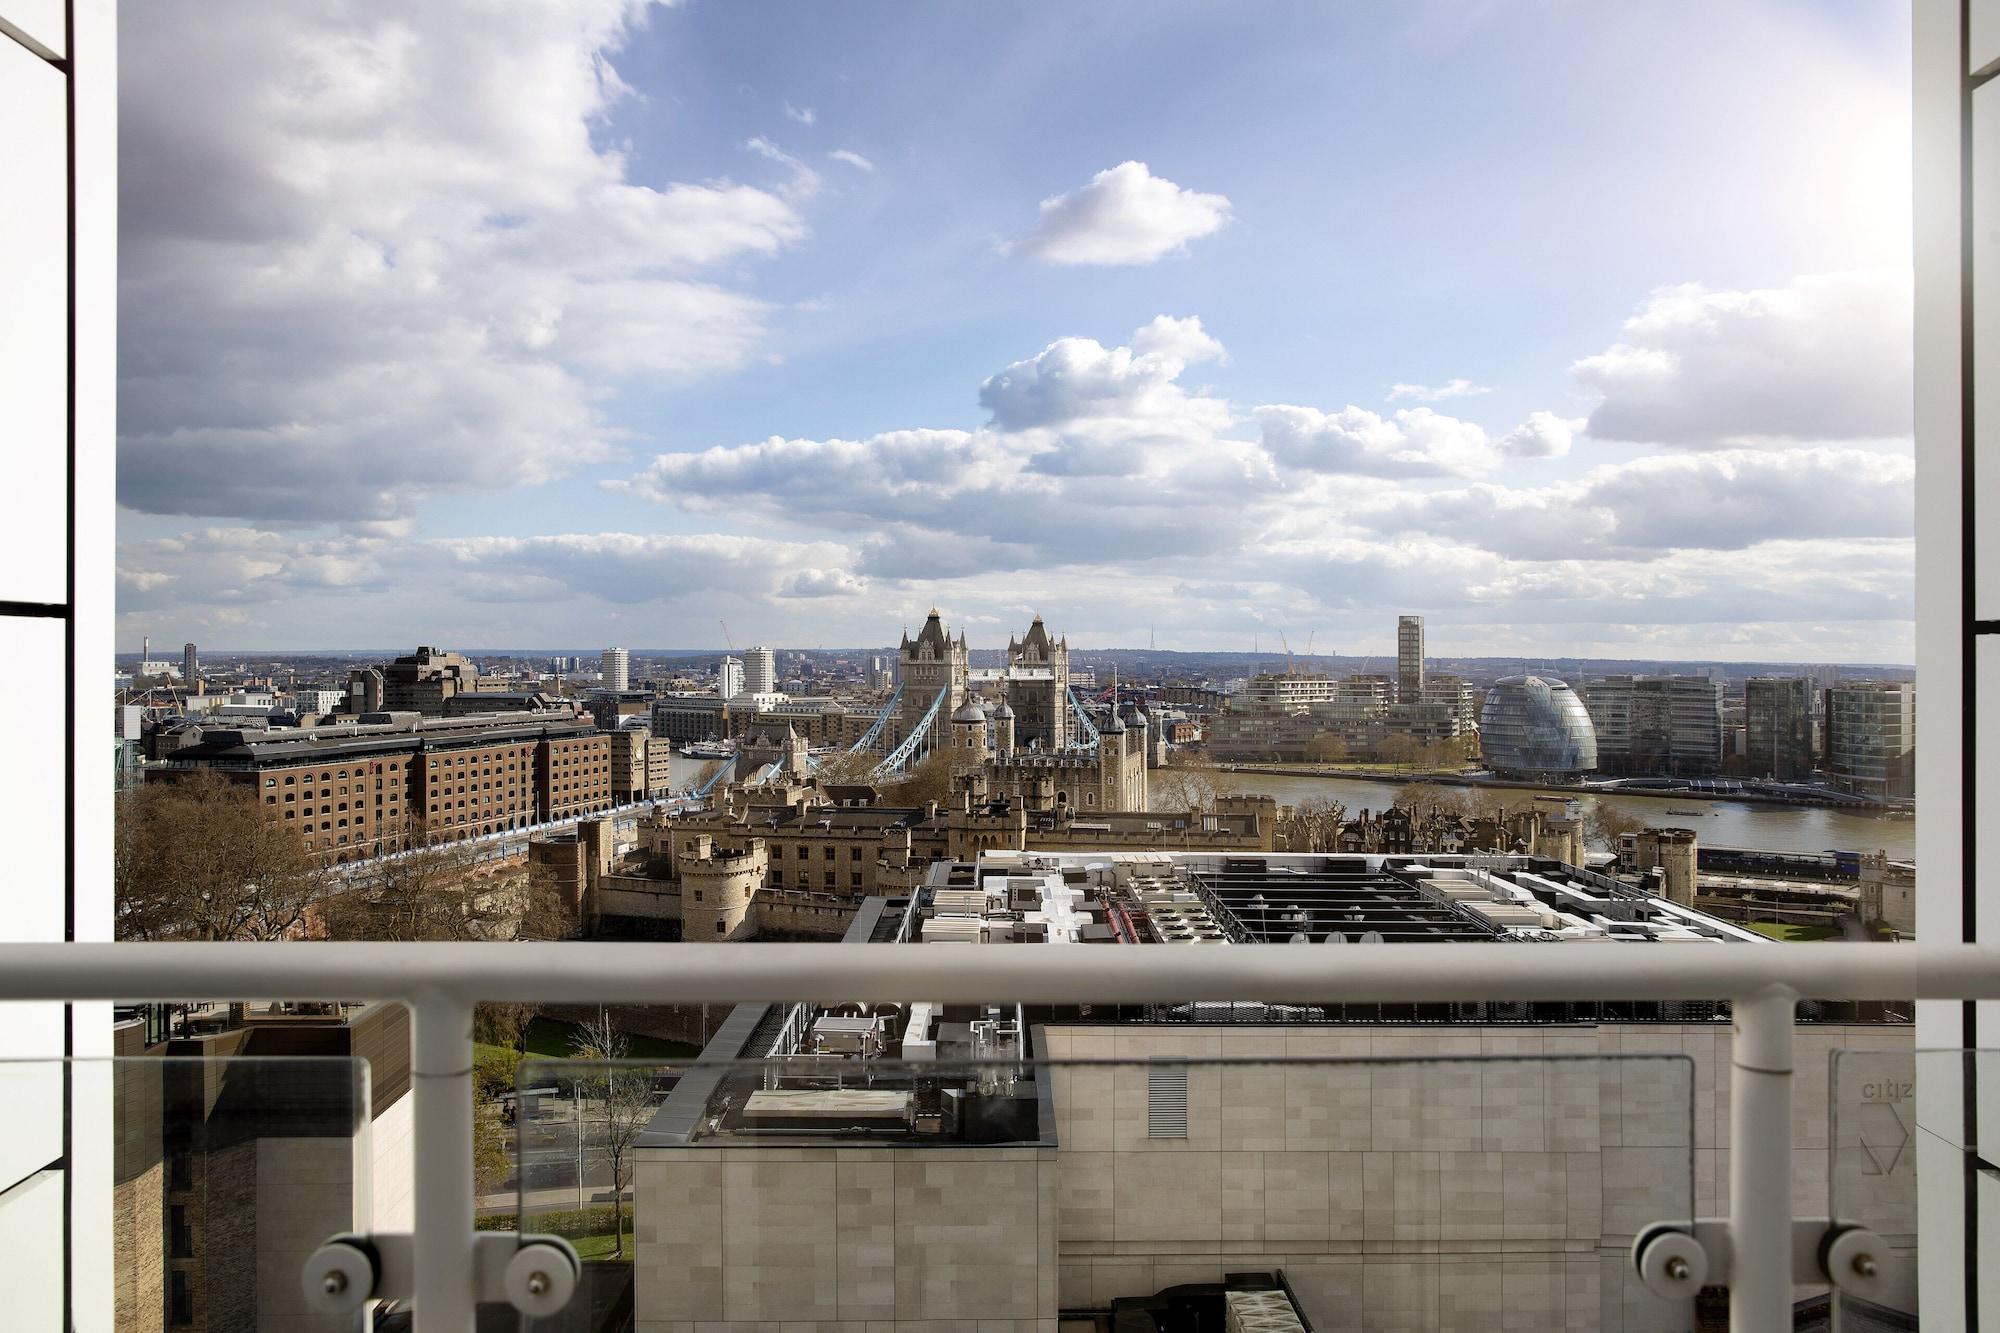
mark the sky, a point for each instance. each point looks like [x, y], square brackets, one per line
[1582, 330]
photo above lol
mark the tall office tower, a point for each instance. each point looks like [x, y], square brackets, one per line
[190, 665]
[760, 671]
[617, 669]
[1871, 738]
[1409, 659]
[729, 678]
[1778, 727]
[1656, 726]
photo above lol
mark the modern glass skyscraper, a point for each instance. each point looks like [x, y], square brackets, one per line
[1657, 726]
[1871, 738]
[1778, 727]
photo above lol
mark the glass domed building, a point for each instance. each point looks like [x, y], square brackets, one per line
[1536, 727]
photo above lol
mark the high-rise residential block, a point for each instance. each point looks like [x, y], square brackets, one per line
[729, 677]
[1778, 727]
[1871, 738]
[760, 671]
[1409, 658]
[190, 665]
[616, 669]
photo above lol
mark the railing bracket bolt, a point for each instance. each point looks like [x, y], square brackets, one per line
[334, 1283]
[1677, 1269]
[539, 1283]
[1864, 1264]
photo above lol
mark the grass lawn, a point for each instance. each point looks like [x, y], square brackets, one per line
[591, 1248]
[1779, 930]
[551, 1039]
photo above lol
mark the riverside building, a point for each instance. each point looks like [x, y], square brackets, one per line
[356, 789]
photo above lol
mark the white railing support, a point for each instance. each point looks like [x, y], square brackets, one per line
[441, 1088]
[1760, 1162]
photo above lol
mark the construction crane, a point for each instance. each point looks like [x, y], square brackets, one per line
[1288, 653]
[1310, 635]
[725, 635]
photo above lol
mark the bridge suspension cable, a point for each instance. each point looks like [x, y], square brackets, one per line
[873, 735]
[1085, 726]
[919, 743]
[722, 770]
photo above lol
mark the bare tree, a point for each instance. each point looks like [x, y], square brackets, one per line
[625, 1097]
[1605, 825]
[1313, 826]
[1402, 751]
[1417, 797]
[199, 859]
[429, 892]
[1328, 747]
[1188, 783]
[439, 890]
[929, 780]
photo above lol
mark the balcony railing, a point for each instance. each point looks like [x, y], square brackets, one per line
[445, 1267]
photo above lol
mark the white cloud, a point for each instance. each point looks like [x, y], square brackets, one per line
[805, 182]
[1091, 453]
[1076, 378]
[1723, 501]
[1542, 435]
[1449, 389]
[372, 253]
[192, 574]
[804, 115]
[1826, 357]
[1125, 215]
[852, 159]
[1415, 442]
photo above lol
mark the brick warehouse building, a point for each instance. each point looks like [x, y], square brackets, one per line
[358, 789]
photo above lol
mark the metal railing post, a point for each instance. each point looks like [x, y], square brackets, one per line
[441, 1086]
[1760, 1163]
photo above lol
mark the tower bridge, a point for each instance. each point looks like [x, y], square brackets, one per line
[1042, 712]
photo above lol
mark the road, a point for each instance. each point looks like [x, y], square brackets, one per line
[546, 1146]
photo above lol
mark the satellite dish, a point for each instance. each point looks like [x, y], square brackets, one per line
[1373, 937]
[1299, 939]
[1334, 937]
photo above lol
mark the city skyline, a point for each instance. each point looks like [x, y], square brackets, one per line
[716, 325]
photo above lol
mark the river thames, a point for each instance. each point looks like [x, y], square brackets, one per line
[1777, 828]
[1773, 828]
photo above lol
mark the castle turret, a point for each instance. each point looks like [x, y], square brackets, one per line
[1003, 729]
[1673, 851]
[719, 888]
[968, 731]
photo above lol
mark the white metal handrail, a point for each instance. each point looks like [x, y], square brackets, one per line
[440, 983]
